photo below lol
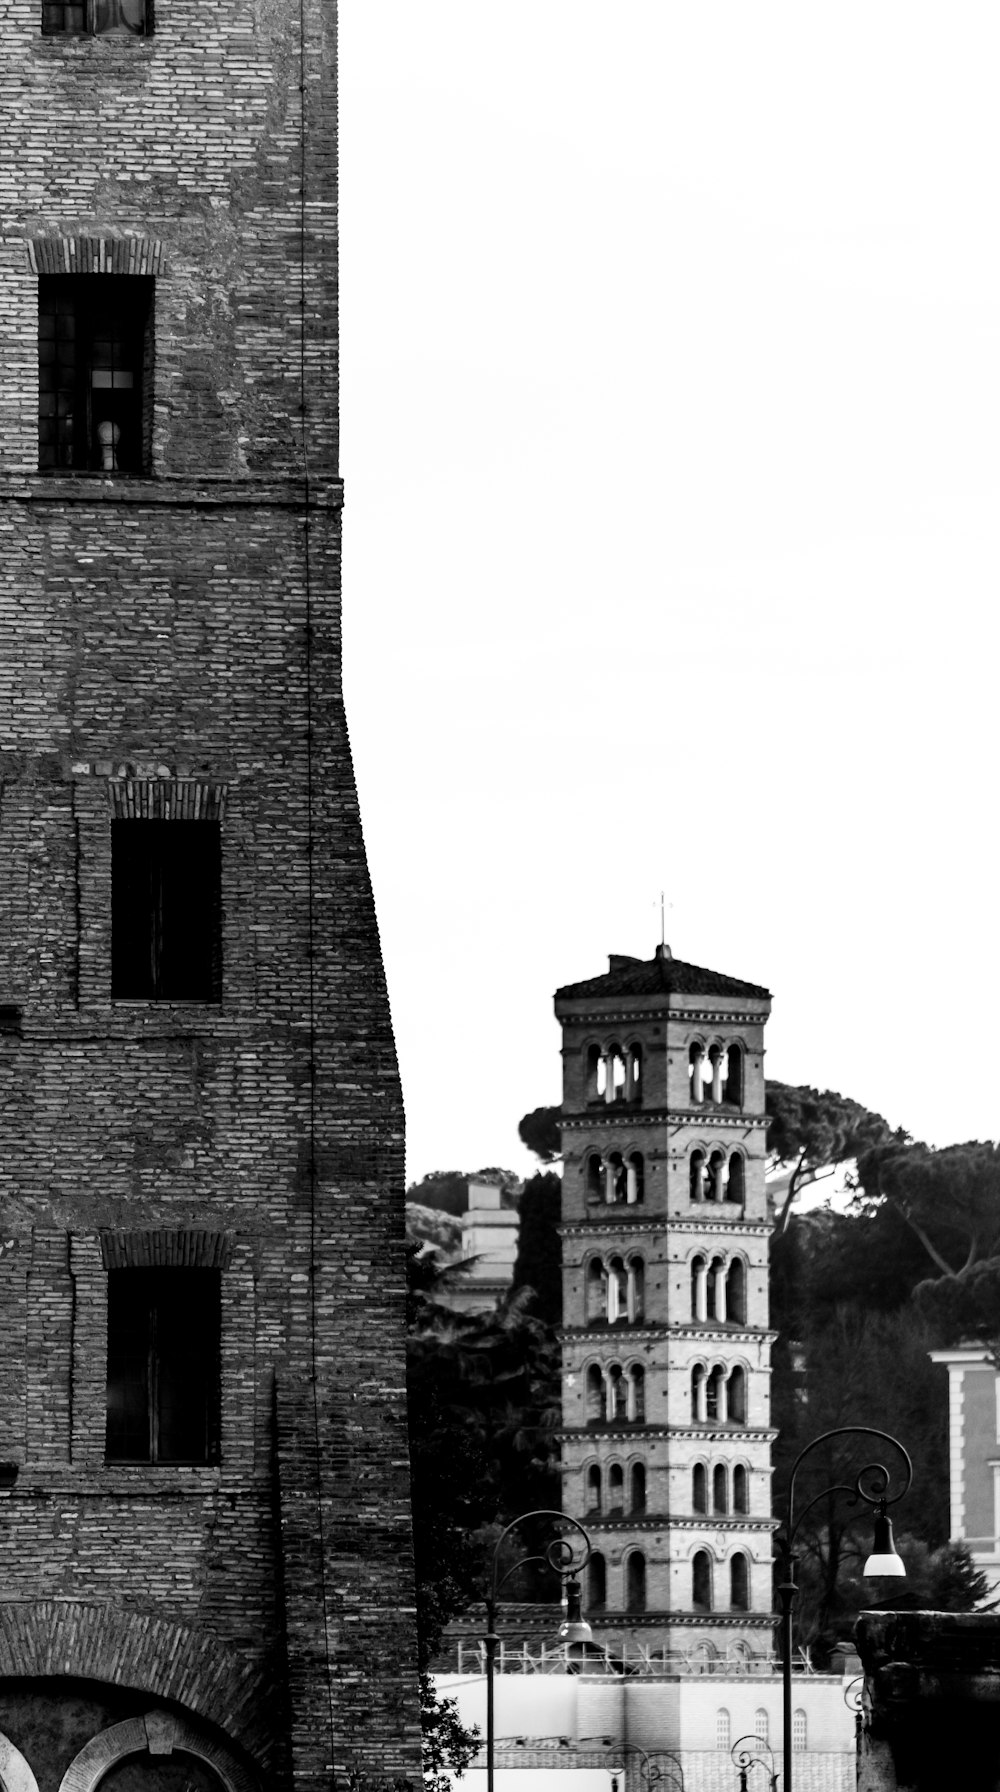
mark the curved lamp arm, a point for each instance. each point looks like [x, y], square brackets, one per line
[565, 1556]
[875, 1494]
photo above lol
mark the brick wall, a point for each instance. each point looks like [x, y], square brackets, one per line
[184, 629]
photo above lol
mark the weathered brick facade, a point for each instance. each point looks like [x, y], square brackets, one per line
[170, 645]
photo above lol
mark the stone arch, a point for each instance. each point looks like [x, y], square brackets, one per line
[138, 1650]
[158, 1733]
[15, 1773]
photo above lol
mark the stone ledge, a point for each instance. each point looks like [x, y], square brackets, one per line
[172, 491]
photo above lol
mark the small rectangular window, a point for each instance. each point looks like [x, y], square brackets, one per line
[166, 911]
[95, 373]
[163, 1365]
[97, 18]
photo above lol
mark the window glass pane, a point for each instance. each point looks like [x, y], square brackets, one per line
[128, 1428]
[166, 911]
[163, 1365]
[187, 1354]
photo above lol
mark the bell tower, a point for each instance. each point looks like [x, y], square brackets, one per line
[666, 1438]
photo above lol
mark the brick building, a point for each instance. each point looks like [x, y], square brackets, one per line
[666, 1348]
[206, 1559]
[974, 1452]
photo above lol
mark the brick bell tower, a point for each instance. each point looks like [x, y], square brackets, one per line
[207, 1570]
[666, 1442]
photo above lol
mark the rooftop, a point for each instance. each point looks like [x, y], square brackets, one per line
[660, 975]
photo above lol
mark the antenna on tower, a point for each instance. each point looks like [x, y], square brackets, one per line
[663, 950]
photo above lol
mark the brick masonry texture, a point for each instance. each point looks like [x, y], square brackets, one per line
[169, 641]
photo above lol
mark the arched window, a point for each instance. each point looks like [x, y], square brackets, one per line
[736, 1396]
[617, 1308]
[798, 1731]
[597, 1298]
[616, 1073]
[593, 1488]
[696, 1073]
[719, 1060]
[715, 1395]
[736, 1292]
[733, 1090]
[722, 1731]
[741, 1500]
[739, 1583]
[635, 1178]
[760, 1725]
[699, 1486]
[635, 1582]
[637, 1393]
[617, 1178]
[636, 1289]
[593, 1177]
[701, 1581]
[717, 1176]
[596, 1399]
[720, 1489]
[633, 1072]
[617, 1393]
[717, 1289]
[593, 1091]
[616, 1485]
[698, 1175]
[638, 1487]
[699, 1391]
[736, 1184]
[597, 1583]
[699, 1295]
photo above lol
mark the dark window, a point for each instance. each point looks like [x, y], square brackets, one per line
[701, 1581]
[166, 911]
[597, 1583]
[95, 359]
[635, 1582]
[739, 1584]
[101, 18]
[163, 1365]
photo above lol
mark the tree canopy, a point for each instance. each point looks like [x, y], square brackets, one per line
[949, 1199]
[810, 1131]
[540, 1131]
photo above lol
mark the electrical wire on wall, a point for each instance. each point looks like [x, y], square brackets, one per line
[307, 568]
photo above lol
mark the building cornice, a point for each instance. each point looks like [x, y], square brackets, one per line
[637, 1428]
[644, 1521]
[664, 1223]
[663, 1006]
[681, 1620]
[627, 1114]
[716, 1334]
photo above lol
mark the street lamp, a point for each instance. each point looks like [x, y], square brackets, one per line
[566, 1557]
[871, 1484]
[749, 1752]
[651, 1773]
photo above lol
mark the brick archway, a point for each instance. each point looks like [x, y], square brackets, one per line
[147, 1654]
[15, 1774]
[158, 1733]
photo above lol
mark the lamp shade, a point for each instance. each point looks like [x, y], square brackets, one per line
[883, 1561]
[574, 1629]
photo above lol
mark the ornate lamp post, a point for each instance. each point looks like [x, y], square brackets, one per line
[567, 1557]
[854, 1701]
[749, 1752]
[665, 1771]
[871, 1485]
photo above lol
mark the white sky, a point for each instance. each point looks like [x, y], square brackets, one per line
[671, 388]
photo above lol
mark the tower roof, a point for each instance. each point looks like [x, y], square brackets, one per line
[660, 975]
